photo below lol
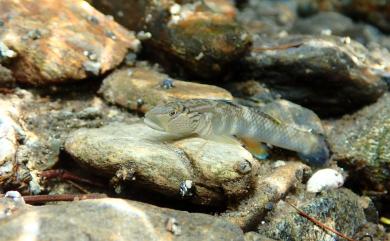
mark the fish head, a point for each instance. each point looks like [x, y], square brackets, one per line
[173, 118]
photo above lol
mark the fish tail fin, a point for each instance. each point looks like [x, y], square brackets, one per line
[318, 157]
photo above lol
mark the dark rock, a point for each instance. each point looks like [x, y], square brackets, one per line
[307, 70]
[376, 12]
[268, 17]
[333, 23]
[361, 143]
[338, 208]
[53, 49]
[190, 36]
[113, 219]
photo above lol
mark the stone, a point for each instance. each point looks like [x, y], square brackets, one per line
[142, 88]
[60, 41]
[338, 209]
[361, 144]
[190, 37]
[108, 219]
[325, 63]
[271, 186]
[374, 11]
[150, 159]
[268, 17]
[333, 23]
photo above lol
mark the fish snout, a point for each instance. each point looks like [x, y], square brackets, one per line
[153, 121]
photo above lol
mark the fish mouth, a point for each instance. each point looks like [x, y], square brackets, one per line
[154, 124]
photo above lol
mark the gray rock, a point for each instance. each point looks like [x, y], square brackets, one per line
[273, 183]
[150, 159]
[361, 143]
[309, 69]
[337, 24]
[339, 209]
[141, 88]
[113, 219]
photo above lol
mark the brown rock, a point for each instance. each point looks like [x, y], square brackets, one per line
[61, 41]
[190, 36]
[142, 88]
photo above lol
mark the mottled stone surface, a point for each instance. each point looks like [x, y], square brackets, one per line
[33, 129]
[308, 69]
[142, 88]
[191, 36]
[334, 23]
[61, 41]
[271, 186]
[361, 143]
[113, 219]
[376, 12]
[339, 209]
[145, 157]
[268, 17]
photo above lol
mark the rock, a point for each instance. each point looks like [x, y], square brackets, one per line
[338, 209]
[6, 78]
[325, 63]
[333, 23]
[373, 11]
[142, 88]
[274, 184]
[108, 219]
[190, 37]
[361, 144]
[253, 236]
[61, 41]
[268, 17]
[10, 134]
[35, 128]
[137, 154]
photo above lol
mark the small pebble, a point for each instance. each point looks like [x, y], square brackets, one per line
[324, 179]
[186, 189]
[167, 84]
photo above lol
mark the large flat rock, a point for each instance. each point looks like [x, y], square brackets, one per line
[61, 41]
[113, 219]
[150, 159]
[142, 88]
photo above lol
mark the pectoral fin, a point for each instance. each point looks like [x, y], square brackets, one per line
[258, 149]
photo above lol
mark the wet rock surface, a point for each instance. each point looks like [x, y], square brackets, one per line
[339, 209]
[141, 88]
[136, 153]
[361, 143]
[325, 63]
[113, 219]
[374, 11]
[55, 48]
[191, 35]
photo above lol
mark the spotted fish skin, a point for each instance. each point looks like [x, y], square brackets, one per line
[222, 118]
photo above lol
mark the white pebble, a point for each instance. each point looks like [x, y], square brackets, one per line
[324, 179]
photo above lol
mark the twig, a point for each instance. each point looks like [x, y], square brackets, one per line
[61, 173]
[279, 47]
[320, 224]
[61, 197]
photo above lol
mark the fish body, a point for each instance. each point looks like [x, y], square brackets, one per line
[221, 119]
